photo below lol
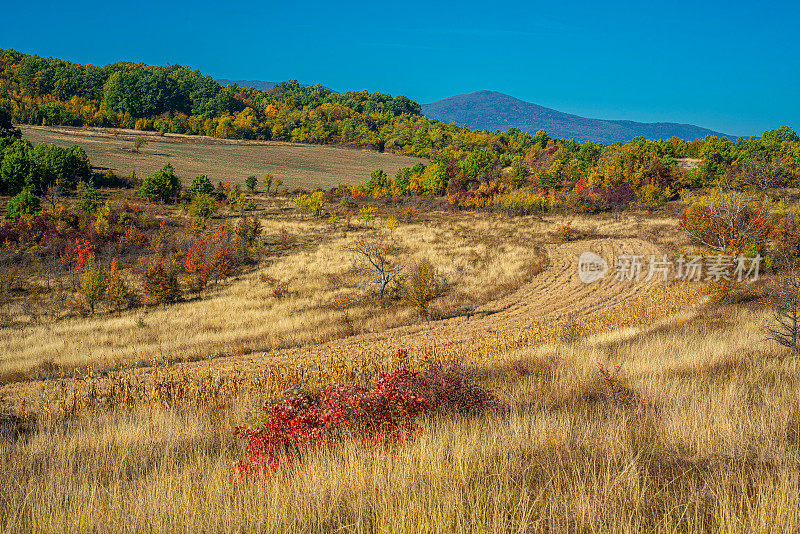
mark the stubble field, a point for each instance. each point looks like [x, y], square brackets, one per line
[298, 166]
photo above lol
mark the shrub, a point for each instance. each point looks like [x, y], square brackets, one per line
[268, 179]
[160, 282]
[380, 414]
[93, 284]
[383, 413]
[333, 221]
[650, 197]
[89, 198]
[203, 206]
[423, 286]
[161, 186]
[565, 233]
[582, 199]
[449, 388]
[367, 213]
[117, 294]
[251, 182]
[201, 185]
[197, 264]
[730, 223]
[519, 203]
[308, 203]
[25, 203]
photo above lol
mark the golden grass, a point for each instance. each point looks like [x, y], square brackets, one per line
[711, 444]
[694, 428]
[243, 316]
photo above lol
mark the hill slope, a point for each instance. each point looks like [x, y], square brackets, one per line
[490, 110]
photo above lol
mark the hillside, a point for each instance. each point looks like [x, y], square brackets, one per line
[490, 110]
[296, 165]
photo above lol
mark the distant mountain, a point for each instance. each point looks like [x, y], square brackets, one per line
[490, 110]
[255, 84]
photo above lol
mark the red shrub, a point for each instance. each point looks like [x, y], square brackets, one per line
[196, 264]
[160, 282]
[383, 413]
[449, 388]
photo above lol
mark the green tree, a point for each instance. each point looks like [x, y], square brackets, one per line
[161, 186]
[519, 174]
[201, 185]
[377, 179]
[251, 183]
[15, 170]
[89, 198]
[24, 203]
[7, 128]
[477, 164]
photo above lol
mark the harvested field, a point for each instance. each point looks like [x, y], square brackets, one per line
[299, 166]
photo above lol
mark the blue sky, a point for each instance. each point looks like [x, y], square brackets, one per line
[730, 66]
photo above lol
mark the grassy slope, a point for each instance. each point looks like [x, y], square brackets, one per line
[699, 433]
[303, 166]
[709, 443]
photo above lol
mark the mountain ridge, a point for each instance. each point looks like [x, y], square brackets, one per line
[492, 110]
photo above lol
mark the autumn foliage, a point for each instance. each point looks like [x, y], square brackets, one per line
[383, 413]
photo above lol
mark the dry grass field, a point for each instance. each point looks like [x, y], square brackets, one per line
[299, 166]
[693, 428]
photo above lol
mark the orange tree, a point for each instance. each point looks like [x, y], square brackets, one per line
[731, 223]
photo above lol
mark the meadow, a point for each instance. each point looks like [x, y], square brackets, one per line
[615, 406]
[298, 166]
[626, 407]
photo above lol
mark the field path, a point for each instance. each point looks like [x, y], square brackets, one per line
[555, 293]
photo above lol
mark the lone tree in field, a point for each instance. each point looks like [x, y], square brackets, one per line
[424, 285]
[371, 257]
[785, 304]
[732, 222]
[139, 143]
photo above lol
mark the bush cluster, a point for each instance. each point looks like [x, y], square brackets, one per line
[382, 413]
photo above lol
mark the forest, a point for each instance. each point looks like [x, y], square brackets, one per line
[512, 171]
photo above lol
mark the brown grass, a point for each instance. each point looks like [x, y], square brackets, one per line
[648, 411]
[675, 452]
[299, 166]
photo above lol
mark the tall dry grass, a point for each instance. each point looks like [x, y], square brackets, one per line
[696, 432]
[481, 258]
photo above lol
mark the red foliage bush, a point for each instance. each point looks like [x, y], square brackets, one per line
[449, 388]
[383, 413]
[160, 282]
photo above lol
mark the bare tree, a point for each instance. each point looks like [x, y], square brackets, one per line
[52, 194]
[732, 222]
[785, 303]
[371, 256]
